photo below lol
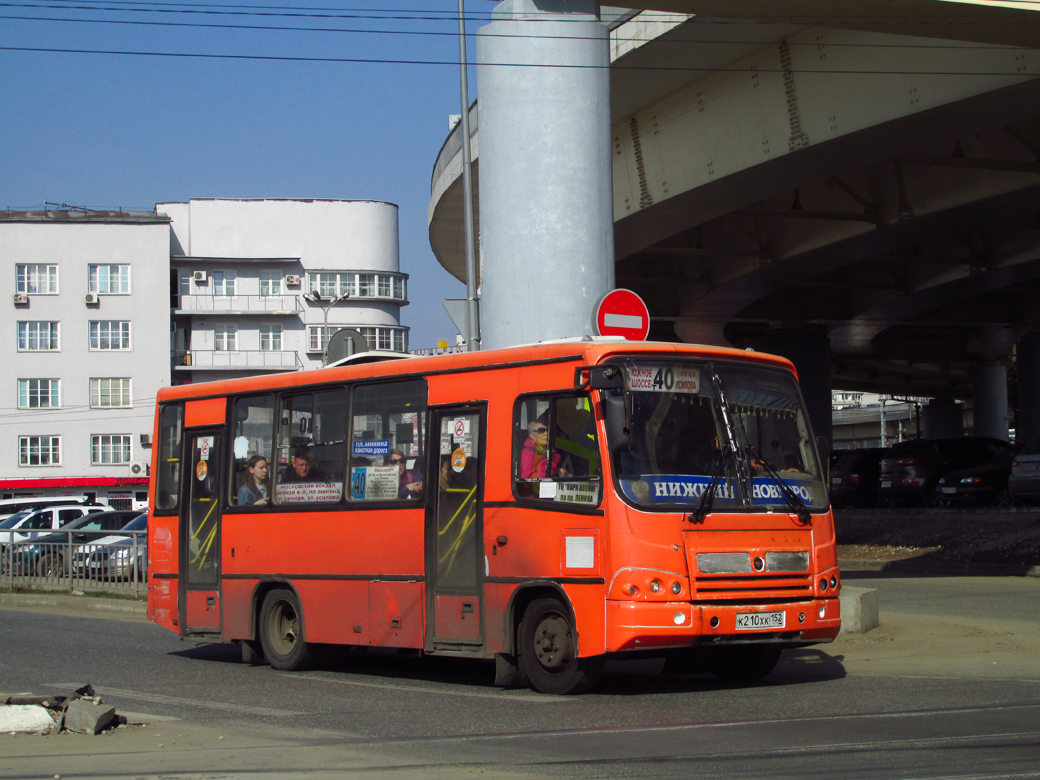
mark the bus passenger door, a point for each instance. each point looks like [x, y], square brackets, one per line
[200, 536]
[454, 530]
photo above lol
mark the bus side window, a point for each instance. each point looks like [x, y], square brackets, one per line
[556, 450]
[311, 456]
[168, 480]
[388, 432]
[253, 441]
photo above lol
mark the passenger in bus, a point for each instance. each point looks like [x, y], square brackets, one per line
[533, 454]
[410, 480]
[302, 468]
[255, 489]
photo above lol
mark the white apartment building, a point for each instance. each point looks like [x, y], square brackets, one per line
[87, 329]
[242, 274]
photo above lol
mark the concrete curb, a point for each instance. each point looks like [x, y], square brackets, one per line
[76, 603]
[859, 610]
[938, 568]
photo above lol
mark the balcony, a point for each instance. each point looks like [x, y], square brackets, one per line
[237, 360]
[238, 305]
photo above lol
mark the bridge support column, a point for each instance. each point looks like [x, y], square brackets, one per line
[1027, 416]
[989, 399]
[546, 208]
[811, 355]
[941, 418]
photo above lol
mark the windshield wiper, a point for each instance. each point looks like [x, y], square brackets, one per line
[708, 496]
[794, 501]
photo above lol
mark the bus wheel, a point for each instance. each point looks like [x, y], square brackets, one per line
[281, 633]
[547, 655]
[743, 664]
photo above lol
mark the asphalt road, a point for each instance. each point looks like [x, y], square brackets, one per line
[948, 687]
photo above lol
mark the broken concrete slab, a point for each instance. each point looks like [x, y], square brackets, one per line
[859, 610]
[25, 717]
[86, 717]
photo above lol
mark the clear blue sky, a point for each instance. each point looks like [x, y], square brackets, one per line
[109, 130]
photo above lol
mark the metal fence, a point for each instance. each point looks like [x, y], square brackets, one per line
[83, 560]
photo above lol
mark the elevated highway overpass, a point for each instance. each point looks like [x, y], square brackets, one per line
[854, 184]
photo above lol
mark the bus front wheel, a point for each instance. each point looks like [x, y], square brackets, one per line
[281, 631]
[743, 664]
[547, 651]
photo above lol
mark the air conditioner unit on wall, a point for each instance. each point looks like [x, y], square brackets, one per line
[139, 469]
[292, 280]
[21, 298]
[199, 276]
[90, 298]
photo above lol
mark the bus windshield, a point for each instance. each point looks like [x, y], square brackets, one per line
[692, 422]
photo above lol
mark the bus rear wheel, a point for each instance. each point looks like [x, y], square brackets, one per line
[743, 664]
[281, 631]
[548, 652]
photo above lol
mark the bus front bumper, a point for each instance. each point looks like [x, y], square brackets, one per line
[645, 625]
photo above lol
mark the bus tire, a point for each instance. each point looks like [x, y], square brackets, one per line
[547, 651]
[749, 663]
[281, 631]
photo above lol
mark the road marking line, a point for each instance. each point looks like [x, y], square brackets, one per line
[525, 696]
[157, 698]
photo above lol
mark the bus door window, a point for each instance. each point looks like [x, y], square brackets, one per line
[203, 532]
[457, 499]
[387, 433]
[168, 479]
[556, 452]
[253, 431]
[312, 448]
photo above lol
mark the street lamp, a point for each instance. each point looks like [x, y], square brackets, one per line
[325, 304]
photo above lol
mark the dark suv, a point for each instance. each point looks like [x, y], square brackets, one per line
[910, 472]
[855, 475]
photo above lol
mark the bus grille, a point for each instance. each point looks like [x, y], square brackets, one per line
[763, 587]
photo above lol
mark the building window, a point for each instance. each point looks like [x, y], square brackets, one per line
[109, 279]
[109, 449]
[37, 279]
[271, 338]
[225, 338]
[399, 288]
[224, 283]
[109, 335]
[315, 342]
[38, 336]
[366, 285]
[108, 392]
[39, 450]
[270, 283]
[400, 344]
[384, 286]
[39, 393]
[331, 285]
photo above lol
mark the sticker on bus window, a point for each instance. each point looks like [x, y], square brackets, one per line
[205, 445]
[664, 379]
[373, 448]
[458, 460]
[578, 492]
[201, 470]
[306, 492]
[368, 483]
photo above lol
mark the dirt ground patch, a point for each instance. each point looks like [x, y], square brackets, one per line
[985, 538]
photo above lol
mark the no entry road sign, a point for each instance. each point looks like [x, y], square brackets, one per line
[622, 313]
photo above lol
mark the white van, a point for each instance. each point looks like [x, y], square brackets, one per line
[11, 506]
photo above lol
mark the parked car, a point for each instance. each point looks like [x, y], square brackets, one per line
[986, 484]
[12, 506]
[855, 475]
[121, 557]
[47, 555]
[1024, 482]
[910, 473]
[30, 524]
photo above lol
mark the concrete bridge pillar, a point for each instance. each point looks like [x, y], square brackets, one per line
[989, 399]
[941, 418]
[1027, 416]
[546, 215]
[810, 352]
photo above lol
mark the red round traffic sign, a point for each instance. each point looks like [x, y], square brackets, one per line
[622, 313]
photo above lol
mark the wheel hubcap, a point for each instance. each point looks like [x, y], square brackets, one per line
[552, 642]
[283, 619]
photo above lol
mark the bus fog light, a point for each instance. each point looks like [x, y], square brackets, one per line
[714, 622]
[834, 583]
[655, 586]
[823, 610]
[679, 618]
[823, 584]
[676, 588]
[632, 590]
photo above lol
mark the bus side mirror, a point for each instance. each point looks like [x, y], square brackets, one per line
[616, 420]
[606, 378]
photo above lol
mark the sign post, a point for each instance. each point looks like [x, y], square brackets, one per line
[622, 313]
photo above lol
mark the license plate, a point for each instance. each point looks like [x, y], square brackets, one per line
[949, 490]
[756, 620]
[835, 481]
[886, 483]
[1029, 466]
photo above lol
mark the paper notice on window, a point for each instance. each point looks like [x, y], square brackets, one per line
[578, 493]
[375, 482]
[547, 489]
[581, 552]
[306, 492]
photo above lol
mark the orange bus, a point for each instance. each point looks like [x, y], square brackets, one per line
[544, 506]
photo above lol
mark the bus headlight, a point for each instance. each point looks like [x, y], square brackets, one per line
[655, 586]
